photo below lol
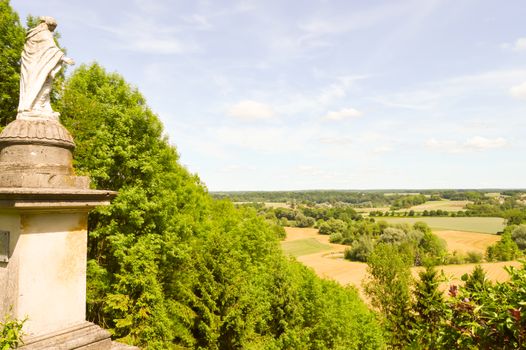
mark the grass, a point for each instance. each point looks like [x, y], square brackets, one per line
[304, 247]
[469, 224]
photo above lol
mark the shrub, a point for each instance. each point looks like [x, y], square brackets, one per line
[10, 333]
[360, 250]
[474, 257]
[519, 236]
[504, 250]
[392, 235]
[336, 237]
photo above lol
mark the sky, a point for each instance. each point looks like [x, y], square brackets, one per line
[320, 94]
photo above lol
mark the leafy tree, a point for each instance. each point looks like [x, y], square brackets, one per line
[504, 250]
[476, 281]
[389, 288]
[429, 310]
[392, 235]
[331, 226]
[360, 250]
[12, 36]
[170, 266]
[518, 235]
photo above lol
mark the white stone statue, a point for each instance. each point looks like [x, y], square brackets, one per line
[41, 61]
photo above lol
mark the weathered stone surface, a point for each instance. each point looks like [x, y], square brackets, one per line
[85, 336]
[42, 59]
[37, 131]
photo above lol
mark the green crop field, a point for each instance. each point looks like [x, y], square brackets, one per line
[471, 224]
[304, 247]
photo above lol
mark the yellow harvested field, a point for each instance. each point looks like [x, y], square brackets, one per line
[464, 242]
[277, 205]
[370, 209]
[442, 205]
[269, 204]
[331, 265]
[494, 271]
[294, 233]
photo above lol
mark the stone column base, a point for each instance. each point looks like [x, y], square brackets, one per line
[84, 336]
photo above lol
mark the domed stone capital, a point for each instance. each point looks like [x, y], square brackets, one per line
[36, 131]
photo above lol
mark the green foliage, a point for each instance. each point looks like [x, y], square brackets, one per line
[428, 310]
[304, 221]
[12, 36]
[518, 235]
[10, 333]
[360, 250]
[170, 266]
[389, 290]
[408, 201]
[332, 226]
[504, 250]
[485, 316]
[476, 281]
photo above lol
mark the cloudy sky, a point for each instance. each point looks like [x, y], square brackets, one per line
[320, 94]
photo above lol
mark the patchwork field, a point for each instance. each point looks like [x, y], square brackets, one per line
[304, 246]
[442, 205]
[470, 224]
[326, 259]
[463, 241]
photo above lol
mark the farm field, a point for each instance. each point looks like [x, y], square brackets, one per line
[442, 205]
[367, 210]
[304, 246]
[329, 263]
[463, 241]
[470, 224]
[452, 206]
[269, 204]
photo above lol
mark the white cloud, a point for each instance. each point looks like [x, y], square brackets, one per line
[518, 45]
[431, 95]
[479, 143]
[473, 144]
[343, 114]
[250, 110]
[519, 91]
[336, 141]
[142, 34]
[382, 149]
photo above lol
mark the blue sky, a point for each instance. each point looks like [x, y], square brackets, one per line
[273, 95]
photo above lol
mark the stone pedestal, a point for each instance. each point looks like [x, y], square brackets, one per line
[43, 236]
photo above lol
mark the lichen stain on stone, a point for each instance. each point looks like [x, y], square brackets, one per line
[74, 260]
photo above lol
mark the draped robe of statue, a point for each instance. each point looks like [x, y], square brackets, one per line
[41, 61]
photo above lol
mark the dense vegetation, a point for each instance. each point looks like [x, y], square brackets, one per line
[417, 315]
[169, 267]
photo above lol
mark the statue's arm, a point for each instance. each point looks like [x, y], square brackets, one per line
[68, 60]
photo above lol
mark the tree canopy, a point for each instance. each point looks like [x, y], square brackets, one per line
[170, 265]
[12, 35]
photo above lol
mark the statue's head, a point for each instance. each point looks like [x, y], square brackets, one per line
[49, 21]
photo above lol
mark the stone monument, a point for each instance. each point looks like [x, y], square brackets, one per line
[43, 212]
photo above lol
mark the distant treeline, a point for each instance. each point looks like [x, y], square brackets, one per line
[374, 198]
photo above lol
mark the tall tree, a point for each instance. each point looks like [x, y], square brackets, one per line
[12, 36]
[170, 266]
